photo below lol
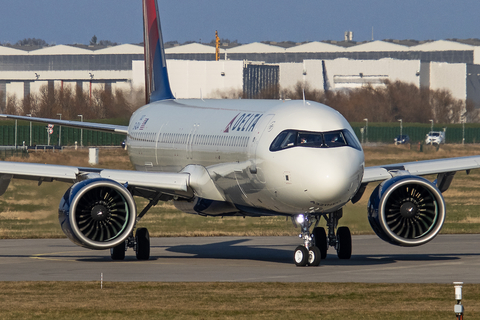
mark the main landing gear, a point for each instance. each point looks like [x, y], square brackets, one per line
[316, 244]
[140, 244]
[141, 241]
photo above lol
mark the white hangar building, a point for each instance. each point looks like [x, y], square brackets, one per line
[194, 73]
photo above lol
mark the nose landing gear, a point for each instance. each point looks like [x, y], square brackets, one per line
[308, 253]
[316, 244]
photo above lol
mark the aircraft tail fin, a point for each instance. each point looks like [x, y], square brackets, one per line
[157, 86]
[326, 83]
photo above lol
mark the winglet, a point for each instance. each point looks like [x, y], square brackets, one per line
[157, 86]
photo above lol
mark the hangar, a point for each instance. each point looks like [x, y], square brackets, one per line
[443, 64]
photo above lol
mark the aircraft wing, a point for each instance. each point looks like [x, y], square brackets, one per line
[171, 183]
[73, 124]
[421, 168]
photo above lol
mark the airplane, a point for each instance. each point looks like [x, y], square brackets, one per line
[294, 158]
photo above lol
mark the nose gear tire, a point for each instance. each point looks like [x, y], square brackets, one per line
[314, 256]
[301, 256]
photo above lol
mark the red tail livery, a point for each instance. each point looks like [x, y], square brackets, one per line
[157, 86]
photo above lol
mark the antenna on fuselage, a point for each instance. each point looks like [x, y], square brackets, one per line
[303, 96]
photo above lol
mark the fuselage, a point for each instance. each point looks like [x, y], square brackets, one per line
[244, 146]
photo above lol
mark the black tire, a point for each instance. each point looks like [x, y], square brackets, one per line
[314, 256]
[300, 256]
[118, 252]
[344, 243]
[320, 237]
[143, 244]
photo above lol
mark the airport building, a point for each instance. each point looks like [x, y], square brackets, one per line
[194, 73]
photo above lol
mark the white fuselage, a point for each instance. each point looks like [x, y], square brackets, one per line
[232, 139]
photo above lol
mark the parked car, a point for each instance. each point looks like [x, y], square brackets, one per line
[435, 137]
[402, 139]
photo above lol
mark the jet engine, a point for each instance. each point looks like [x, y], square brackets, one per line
[406, 211]
[97, 213]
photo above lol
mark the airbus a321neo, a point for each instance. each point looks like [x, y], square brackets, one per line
[299, 159]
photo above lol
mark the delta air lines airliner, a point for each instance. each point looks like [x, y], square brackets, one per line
[298, 159]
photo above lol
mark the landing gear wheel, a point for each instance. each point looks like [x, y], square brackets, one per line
[301, 256]
[143, 244]
[344, 243]
[118, 252]
[314, 257]
[320, 237]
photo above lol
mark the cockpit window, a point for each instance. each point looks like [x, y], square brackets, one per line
[310, 139]
[292, 138]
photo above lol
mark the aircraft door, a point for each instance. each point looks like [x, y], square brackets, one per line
[158, 142]
[190, 140]
[264, 124]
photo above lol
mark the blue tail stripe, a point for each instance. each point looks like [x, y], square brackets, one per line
[161, 84]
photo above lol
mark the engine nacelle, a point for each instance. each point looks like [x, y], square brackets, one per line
[406, 211]
[97, 213]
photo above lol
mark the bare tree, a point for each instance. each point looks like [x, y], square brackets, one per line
[32, 42]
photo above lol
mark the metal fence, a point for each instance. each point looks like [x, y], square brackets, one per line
[39, 136]
[386, 133]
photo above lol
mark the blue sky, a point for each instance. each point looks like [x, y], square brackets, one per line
[67, 21]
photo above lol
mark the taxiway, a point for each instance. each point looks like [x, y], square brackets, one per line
[446, 259]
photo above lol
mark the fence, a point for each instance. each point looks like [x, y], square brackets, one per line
[454, 133]
[69, 136]
[377, 132]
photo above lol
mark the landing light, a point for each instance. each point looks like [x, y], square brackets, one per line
[300, 218]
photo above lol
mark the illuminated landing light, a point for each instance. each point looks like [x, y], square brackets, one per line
[300, 218]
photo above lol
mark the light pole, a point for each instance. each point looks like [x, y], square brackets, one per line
[81, 130]
[16, 130]
[401, 127]
[464, 119]
[366, 129]
[29, 115]
[431, 127]
[60, 131]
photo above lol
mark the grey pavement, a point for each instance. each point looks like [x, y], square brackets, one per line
[446, 259]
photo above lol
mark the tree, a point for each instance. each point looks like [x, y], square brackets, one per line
[32, 42]
[93, 41]
[107, 43]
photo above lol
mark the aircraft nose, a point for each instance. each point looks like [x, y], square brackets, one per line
[334, 178]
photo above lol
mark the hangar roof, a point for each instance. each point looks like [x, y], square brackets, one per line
[377, 46]
[60, 49]
[6, 51]
[256, 47]
[315, 46]
[192, 48]
[121, 49]
[442, 45]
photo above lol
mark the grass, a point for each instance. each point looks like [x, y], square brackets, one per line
[29, 211]
[127, 300]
